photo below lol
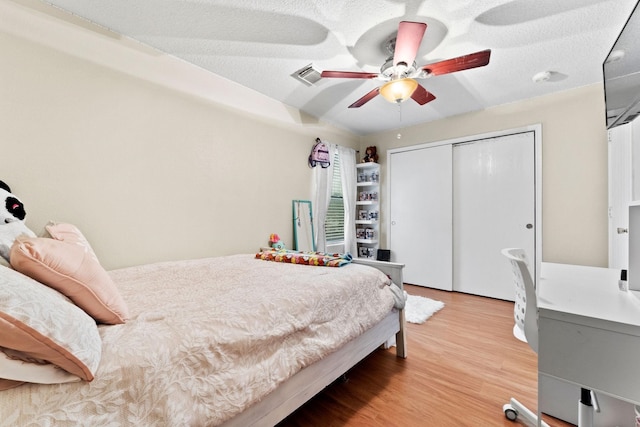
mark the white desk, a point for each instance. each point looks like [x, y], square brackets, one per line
[589, 330]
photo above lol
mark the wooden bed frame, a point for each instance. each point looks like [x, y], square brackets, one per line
[297, 390]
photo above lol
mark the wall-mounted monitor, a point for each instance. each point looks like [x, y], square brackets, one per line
[621, 71]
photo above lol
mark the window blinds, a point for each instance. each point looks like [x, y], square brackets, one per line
[334, 223]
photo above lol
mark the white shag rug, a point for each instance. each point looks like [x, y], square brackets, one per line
[418, 309]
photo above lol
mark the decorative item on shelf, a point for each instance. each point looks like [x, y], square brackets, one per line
[319, 155]
[365, 215]
[275, 242]
[365, 252]
[370, 155]
[369, 234]
[366, 196]
[373, 177]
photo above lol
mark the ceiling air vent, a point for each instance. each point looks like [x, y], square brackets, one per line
[307, 75]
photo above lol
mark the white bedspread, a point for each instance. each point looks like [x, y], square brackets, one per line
[208, 338]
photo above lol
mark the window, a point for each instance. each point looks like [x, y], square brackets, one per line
[334, 223]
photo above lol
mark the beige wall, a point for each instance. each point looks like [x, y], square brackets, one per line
[155, 159]
[147, 169]
[574, 165]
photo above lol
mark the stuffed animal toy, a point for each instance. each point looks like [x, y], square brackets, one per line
[370, 155]
[275, 241]
[12, 215]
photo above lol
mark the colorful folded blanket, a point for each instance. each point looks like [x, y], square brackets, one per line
[320, 259]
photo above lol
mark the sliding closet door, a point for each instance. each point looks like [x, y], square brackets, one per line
[494, 208]
[420, 202]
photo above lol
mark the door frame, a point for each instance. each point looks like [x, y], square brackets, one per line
[620, 194]
[537, 137]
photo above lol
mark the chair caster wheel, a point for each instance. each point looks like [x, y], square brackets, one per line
[509, 412]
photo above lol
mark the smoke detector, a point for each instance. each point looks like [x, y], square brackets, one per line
[541, 77]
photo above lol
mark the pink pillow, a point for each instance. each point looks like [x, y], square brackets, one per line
[68, 233]
[70, 266]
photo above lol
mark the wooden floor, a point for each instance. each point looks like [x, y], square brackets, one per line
[463, 365]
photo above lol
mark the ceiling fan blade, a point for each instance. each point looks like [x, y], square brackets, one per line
[408, 41]
[348, 75]
[422, 96]
[465, 62]
[368, 97]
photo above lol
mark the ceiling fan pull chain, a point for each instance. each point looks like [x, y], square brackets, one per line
[400, 117]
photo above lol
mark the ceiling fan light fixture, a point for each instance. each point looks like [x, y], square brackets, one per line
[398, 91]
[400, 72]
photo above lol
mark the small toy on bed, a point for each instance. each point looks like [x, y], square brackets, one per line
[12, 225]
[275, 242]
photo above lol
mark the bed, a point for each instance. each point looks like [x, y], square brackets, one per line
[232, 341]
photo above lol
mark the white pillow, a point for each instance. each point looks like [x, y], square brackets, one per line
[39, 323]
[18, 370]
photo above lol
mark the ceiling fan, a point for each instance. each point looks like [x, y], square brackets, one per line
[400, 71]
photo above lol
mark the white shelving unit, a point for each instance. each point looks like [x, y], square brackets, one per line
[367, 209]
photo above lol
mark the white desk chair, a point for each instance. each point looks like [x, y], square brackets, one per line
[526, 319]
[525, 323]
[520, 305]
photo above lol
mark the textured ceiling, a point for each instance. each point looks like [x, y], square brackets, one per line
[260, 44]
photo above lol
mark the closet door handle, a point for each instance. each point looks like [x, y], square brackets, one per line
[529, 226]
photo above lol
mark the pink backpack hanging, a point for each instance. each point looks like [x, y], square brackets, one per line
[319, 155]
